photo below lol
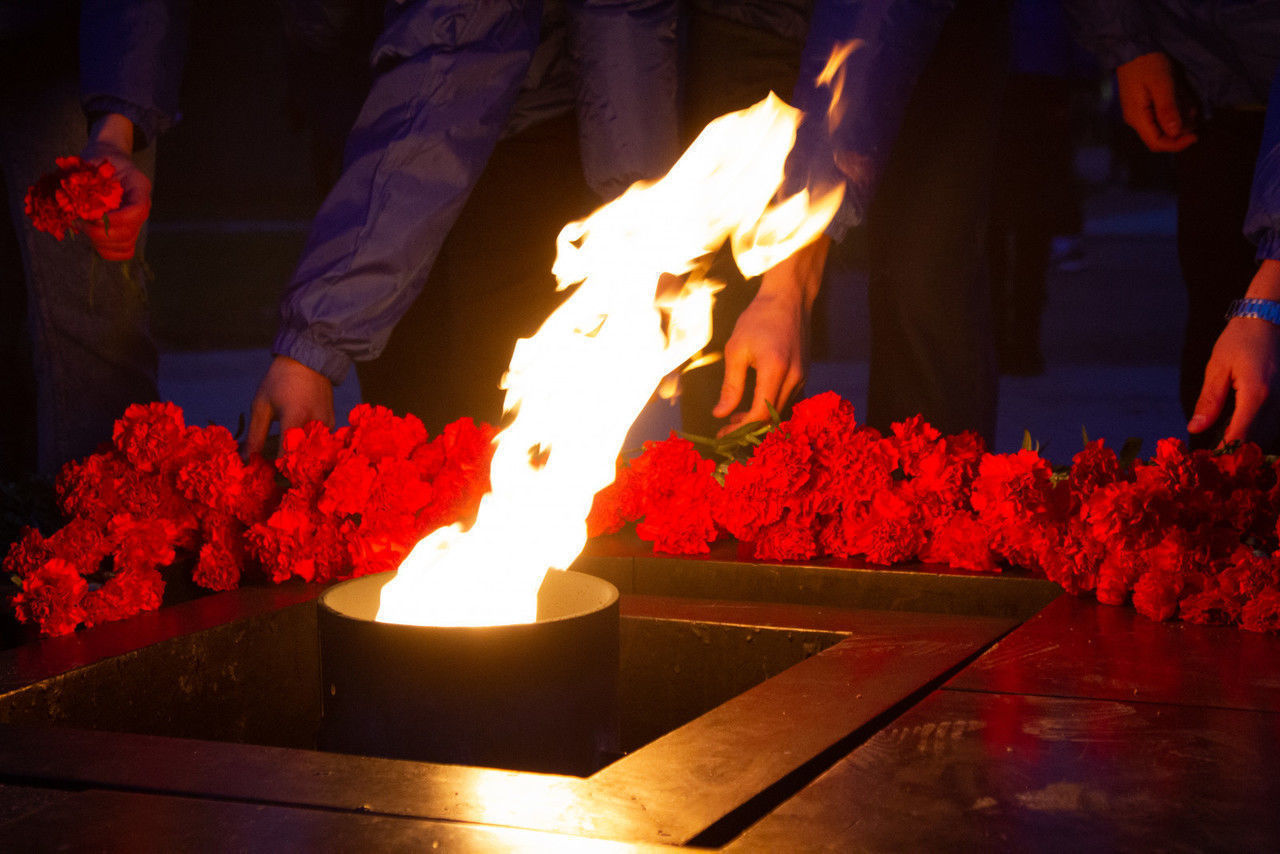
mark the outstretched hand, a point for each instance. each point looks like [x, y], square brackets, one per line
[292, 394]
[771, 338]
[111, 139]
[1152, 103]
[1246, 359]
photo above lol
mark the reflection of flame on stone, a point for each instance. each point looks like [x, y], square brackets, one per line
[579, 383]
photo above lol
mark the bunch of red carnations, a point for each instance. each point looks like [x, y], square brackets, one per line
[76, 190]
[1188, 534]
[360, 497]
[334, 504]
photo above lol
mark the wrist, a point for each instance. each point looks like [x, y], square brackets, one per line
[1266, 282]
[799, 276]
[113, 129]
[1262, 309]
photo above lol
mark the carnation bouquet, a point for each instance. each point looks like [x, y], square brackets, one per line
[1187, 534]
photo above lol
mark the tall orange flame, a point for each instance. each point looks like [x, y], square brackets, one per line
[577, 385]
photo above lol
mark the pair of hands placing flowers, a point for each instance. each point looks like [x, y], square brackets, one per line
[1246, 357]
[770, 337]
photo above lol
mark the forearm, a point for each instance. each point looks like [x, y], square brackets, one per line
[1266, 282]
[799, 277]
[113, 129]
[423, 137]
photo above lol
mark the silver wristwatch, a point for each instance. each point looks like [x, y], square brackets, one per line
[1266, 309]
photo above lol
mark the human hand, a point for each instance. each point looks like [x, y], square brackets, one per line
[291, 393]
[1246, 358]
[111, 139]
[771, 338]
[1149, 100]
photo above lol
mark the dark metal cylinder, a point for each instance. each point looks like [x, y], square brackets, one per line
[538, 696]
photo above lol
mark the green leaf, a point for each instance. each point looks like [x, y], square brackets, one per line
[743, 430]
[1129, 450]
[696, 439]
[1084, 433]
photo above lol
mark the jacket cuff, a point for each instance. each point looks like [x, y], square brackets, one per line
[301, 347]
[149, 123]
[1268, 246]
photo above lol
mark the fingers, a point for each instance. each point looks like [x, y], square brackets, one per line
[1213, 396]
[1160, 125]
[735, 380]
[1167, 115]
[118, 238]
[769, 382]
[261, 414]
[1248, 405]
[1149, 100]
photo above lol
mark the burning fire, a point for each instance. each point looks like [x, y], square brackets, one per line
[578, 384]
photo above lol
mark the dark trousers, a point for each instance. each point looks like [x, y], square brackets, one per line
[931, 343]
[1214, 177]
[1034, 197]
[932, 350]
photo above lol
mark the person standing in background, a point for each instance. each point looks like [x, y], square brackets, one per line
[78, 339]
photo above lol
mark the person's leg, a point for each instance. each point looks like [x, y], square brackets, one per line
[931, 345]
[1214, 177]
[88, 323]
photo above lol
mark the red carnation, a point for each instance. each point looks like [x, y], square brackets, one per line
[1262, 614]
[1012, 486]
[142, 543]
[1156, 595]
[1209, 607]
[126, 593]
[51, 596]
[149, 433]
[915, 438]
[963, 543]
[307, 454]
[377, 432]
[88, 191]
[27, 554]
[221, 558]
[42, 207]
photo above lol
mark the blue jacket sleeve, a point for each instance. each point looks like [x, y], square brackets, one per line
[1262, 222]
[625, 55]
[1115, 31]
[850, 140]
[446, 75]
[131, 58]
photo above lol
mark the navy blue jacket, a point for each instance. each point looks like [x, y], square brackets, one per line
[131, 58]
[447, 73]
[895, 39]
[1230, 51]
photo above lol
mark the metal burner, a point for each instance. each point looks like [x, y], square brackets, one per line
[538, 696]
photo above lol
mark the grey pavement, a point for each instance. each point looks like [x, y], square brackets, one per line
[1111, 337]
